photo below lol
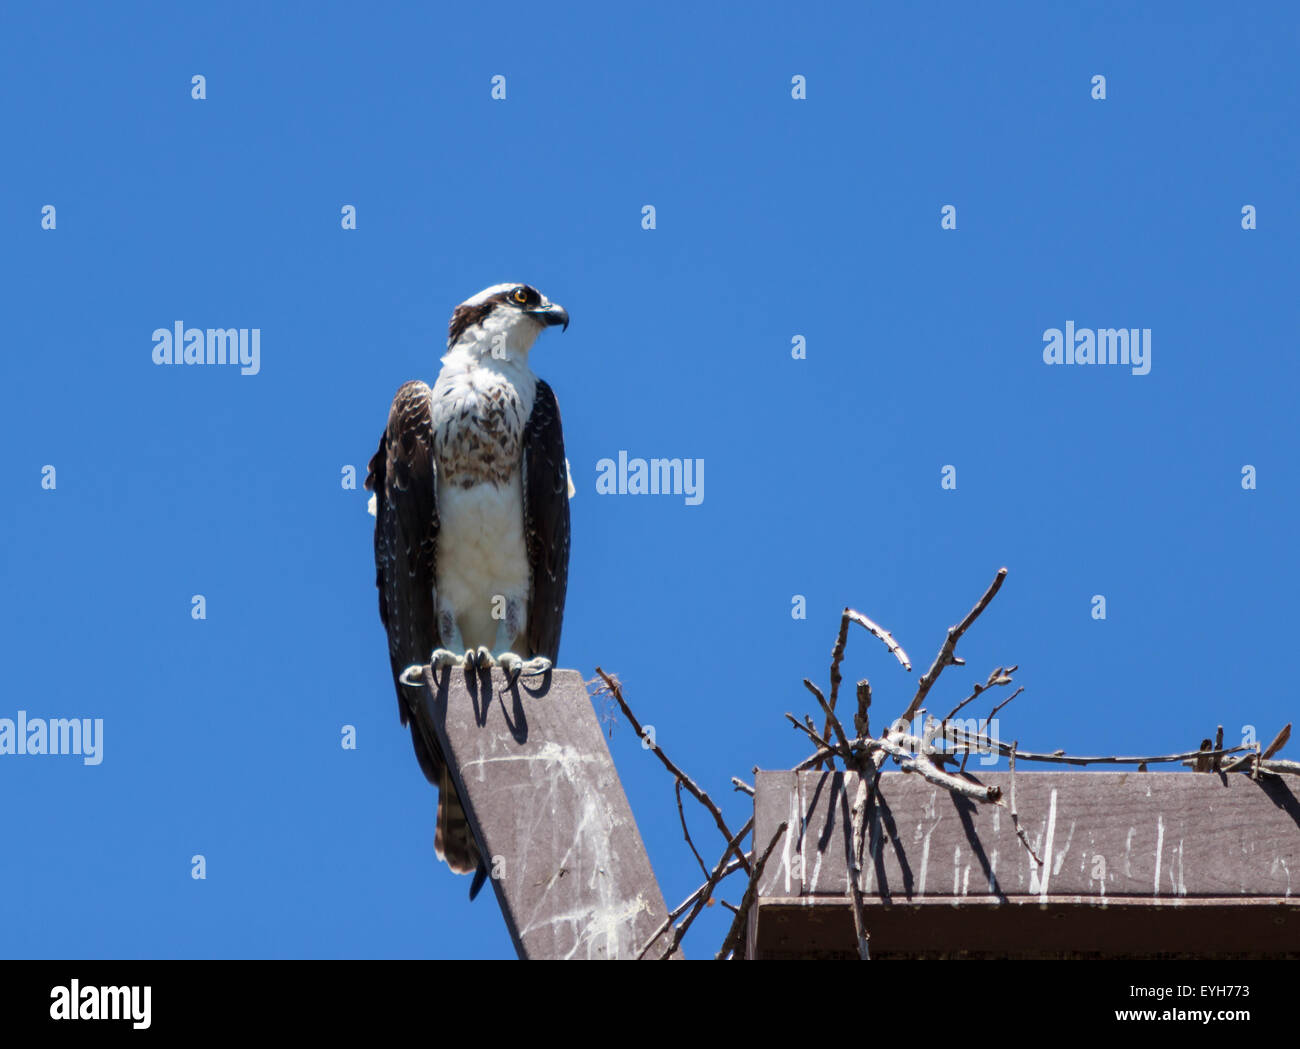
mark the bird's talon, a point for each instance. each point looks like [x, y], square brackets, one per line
[513, 666]
[540, 665]
[444, 657]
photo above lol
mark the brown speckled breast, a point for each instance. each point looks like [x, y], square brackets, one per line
[479, 433]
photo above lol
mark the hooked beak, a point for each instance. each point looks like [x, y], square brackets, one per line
[551, 314]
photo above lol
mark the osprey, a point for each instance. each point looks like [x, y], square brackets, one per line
[471, 504]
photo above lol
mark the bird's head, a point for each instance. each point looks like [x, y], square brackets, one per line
[503, 320]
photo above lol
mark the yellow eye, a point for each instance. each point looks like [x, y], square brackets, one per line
[521, 295]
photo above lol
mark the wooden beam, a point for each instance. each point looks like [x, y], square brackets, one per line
[1135, 864]
[548, 812]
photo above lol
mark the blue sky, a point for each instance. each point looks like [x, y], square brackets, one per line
[775, 217]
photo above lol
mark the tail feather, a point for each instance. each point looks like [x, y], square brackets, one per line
[453, 840]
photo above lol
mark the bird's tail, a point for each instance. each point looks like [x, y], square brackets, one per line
[453, 840]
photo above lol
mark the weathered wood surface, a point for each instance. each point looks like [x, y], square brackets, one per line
[539, 787]
[1135, 863]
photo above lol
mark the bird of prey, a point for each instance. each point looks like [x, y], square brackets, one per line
[471, 504]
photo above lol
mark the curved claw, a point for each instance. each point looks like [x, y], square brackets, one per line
[412, 675]
[536, 666]
[520, 667]
[513, 665]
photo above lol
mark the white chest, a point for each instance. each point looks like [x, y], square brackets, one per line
[482, 558]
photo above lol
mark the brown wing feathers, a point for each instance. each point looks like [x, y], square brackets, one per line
[546, 523]
[403, 476]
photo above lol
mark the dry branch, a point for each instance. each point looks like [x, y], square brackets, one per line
[947, 656]
[686, 833]
[737, 927]
[979, 742]
[616, 690]
[916, 762]
[680, 909]
[884, 636]
[841, 640]
[718, 874]
[857, 849]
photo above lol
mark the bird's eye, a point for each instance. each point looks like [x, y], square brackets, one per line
[521, 296]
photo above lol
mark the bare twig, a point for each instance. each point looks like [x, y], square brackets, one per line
[815, 760]
[987, 722]
[738, 925]
[999, 676]
[837, 656]
[686, 833]
[739, 784]
[994, 712]
[857, 847]
[680, 909]
[946, 656]
[1279, 741]
[1015, 816]
[862, 720]
[918, 763]
[1060, 758]
[841, 640]
[616, 690]
[884, 636]
[810, 733]
[680, 930]
[831, 719]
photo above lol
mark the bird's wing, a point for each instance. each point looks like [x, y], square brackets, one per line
[546, 523]
[403, 475]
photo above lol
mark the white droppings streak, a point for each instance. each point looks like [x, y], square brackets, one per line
[1049, 837]
[569, 759]
[1160, 847]
[786, 842]
[605, 927]
[925, 858]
